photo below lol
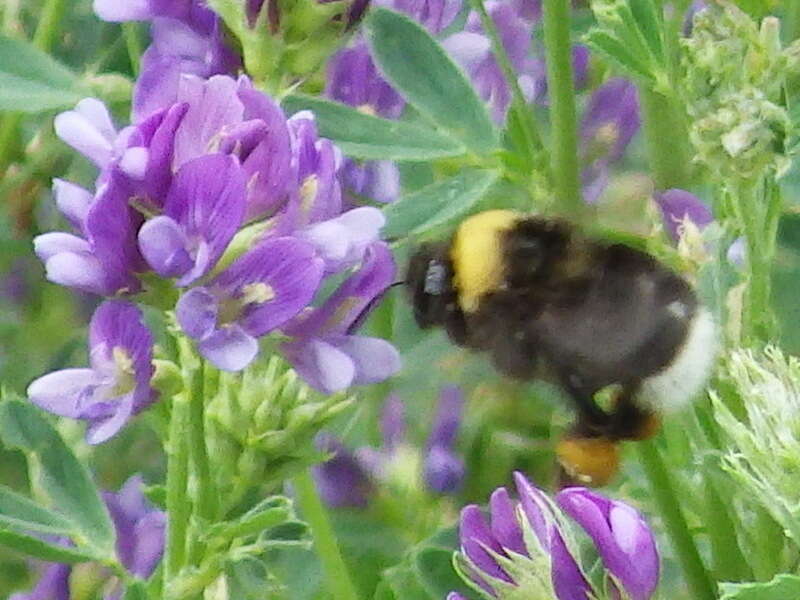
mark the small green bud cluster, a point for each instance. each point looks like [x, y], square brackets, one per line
[763, 444]
[734, 77]
[263, 422]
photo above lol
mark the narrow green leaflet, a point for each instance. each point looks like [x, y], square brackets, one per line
[434, 568]
[419, 68]
[19, 512]
[64, 479]
[31, 81]
[136, 591]
[367, 137]
[437, 204]
[38, 548]
[782, 587]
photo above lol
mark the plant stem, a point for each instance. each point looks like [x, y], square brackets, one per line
[205, 501]
[130, 31]
[339, 582]
[667, 140]
[178, 505]
[43, 38]
[561, 90]
[533, 140]
[666, 499]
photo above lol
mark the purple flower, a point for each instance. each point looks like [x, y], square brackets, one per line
[341, 480]
[116, 386]
[53, 584]
[259, 292]
[202, 212]
[140, 532]
[623, 539]
[105, 260]
[608, 125]
[443, 468]
[325, 352]
[504, 537]
[188, 38]
[678, 205]
[354, 80]
[393, 423]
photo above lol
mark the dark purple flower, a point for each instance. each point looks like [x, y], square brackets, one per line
[325, 352]
[610, 121]
[140, 528]
[678, 205]
[116, 386]
[202, 212]
[341, 480]
[53, 584]
[259, 292]
[444, 468]
[624, 541]
[105, 260]
[504, 536]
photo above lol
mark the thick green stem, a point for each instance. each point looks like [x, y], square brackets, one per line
[667, 140]
[205, 501]
[178, 504]
[339, 583]
[669, 507]
[561, 90]
[43, 38]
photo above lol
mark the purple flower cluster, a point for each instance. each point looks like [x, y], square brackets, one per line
[349, 478]
[520, 533]
[140, 543]
[174, 190]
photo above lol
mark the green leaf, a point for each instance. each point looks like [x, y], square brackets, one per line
[605, 44]
[38, 548]
[31, 81]
[649, 23]
[419, 68]
[434, 567]
[437, 204]
[367, 137]
[782, 587]
[402, 580]
[19, 512]
[66, 481]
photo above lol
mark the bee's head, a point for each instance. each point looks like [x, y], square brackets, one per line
[429, 283]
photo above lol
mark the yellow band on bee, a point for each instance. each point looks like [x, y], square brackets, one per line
[477, 256]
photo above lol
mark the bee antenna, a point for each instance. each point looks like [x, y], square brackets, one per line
[396, 283]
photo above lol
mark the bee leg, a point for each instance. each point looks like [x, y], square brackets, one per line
[629, 421]
[592, 420]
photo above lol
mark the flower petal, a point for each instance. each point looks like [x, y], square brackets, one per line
[101, 430]
[63, 393]
[505, 526]
[47, 245]
[374, 359]
[229, 348]
[164, 246]
[323, 366]
[475, 535]
[78, 271]
[73, 201]
[129, 10]
[197, 312]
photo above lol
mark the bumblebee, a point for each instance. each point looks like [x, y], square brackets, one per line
[547, 302]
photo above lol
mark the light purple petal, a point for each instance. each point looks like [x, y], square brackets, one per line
[53, 584]
[161, 146]
[610, 121]
[447, 421]
[73, 201]
[118, 324]
[737, 253]
[374, 359]
[229, 348]
[534, 506]
[133, 162]
[63, 393]
[149, 533]
[467, 48]
[158, 84]
[101, 430]
[393, 422]
[126, 10]
[321, 365]
[504, 524]
[89, 137]
[340, 480]
[78, 271]
[164, 246]
[197, 312]
[47, 245]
